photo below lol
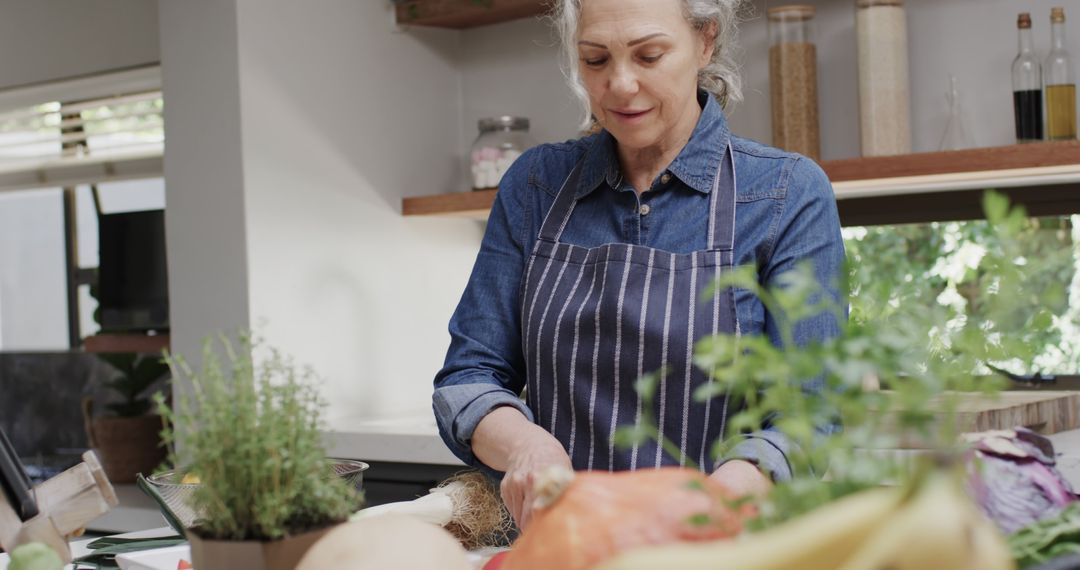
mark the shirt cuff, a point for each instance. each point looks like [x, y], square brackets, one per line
[459, 409]
[766, 450]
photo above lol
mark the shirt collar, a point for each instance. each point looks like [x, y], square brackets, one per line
[695, 165]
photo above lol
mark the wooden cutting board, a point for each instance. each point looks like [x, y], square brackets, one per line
[1043, 411]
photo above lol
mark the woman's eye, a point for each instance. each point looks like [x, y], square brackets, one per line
[651, 58]
[595, 62]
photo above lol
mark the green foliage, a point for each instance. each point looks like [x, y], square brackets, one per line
[136, 374]
[924, 352]
[250, 430]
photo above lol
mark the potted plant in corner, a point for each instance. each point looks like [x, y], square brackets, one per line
[248, 430]
[128, 441]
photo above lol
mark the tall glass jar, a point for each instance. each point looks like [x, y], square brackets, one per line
[793, 80]
[500, 142]
[884, 107]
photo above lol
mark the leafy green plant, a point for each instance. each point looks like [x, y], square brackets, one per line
[136, 373]
[249, 429]
[926, 355]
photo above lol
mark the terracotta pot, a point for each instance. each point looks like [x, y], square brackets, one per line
[126, 446]
[283, 554]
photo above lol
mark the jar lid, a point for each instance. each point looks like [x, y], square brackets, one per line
[869, 3]
[791, 12]
[503, 122]
[1057, 15]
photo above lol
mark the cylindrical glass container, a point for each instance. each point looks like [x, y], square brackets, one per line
[1060, 83]
[500, 142]
[793, 80]
[884, 107]
[1027, 85]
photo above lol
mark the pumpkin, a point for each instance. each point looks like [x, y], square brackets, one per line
[594, 516]
[389, 542]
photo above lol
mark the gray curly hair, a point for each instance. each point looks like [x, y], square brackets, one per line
[720, 77]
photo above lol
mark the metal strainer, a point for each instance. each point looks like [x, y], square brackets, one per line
[177, 496]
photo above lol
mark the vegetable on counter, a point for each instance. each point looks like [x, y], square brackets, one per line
[390, 541]
[1014, 480]
[1048, 539]
[35, 556]
[591, 516]
[934, 526]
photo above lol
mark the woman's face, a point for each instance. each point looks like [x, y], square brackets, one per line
[639, 61]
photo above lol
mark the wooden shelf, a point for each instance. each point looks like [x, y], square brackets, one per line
[460, 14]
[126, 343]
[933, 186]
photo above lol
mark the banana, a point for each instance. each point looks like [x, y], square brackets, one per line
[939, 527]
[820, 540]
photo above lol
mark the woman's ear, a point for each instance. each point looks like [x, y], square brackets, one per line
[707, 36]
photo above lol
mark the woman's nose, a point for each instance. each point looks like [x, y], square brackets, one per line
[623, 81]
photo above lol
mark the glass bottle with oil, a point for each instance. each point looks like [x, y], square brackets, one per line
[1060, 83]
[1027, 85]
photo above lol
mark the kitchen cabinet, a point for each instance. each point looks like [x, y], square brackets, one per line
[459, 14]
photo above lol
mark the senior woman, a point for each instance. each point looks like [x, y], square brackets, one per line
[597, 251]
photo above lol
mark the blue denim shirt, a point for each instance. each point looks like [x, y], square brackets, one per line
[785, 212]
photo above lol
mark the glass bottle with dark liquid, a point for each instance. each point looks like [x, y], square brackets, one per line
[1060, 83]
[1027, 86]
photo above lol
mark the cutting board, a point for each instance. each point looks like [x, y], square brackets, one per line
[1043, 411]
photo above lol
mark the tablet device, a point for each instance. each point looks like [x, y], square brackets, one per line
[14, 482]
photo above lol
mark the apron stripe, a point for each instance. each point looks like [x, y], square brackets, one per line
[596, 359]
[573, 361]
[555, 353]
[663, 359]
[641, 348]
[691, 310]
[540, 336]
[528, 325]
[715, 330]
[618, 356]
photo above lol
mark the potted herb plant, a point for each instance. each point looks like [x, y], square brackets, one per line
[127, 440]
[248, 428]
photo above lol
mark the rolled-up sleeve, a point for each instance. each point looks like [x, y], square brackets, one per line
[484, 367]
[809, 229]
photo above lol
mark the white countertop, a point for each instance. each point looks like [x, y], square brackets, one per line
[412, 439]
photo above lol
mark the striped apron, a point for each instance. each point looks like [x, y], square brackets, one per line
[597, 319]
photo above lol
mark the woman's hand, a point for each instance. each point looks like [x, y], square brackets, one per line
[742, 478]
[507, 441]
[534, 455]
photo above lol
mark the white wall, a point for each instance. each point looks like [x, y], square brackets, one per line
[204, 222]
[44, 40]
[342, 118]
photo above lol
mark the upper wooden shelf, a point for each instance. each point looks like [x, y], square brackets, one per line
[460, 14]
[126, 343]
[859, 183]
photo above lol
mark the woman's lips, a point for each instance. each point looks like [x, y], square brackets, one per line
[630, 115]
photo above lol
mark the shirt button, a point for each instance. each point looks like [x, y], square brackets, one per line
[644, 209]
[665, 178]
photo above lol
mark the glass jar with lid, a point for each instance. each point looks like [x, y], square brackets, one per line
[500, 142]
[793, 80]
[884, 108]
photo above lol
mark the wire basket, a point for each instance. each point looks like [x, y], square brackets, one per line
[177, 497]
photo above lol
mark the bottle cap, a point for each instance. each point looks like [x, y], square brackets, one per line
[791, 12]
[1057, 15]
[1023, 21]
